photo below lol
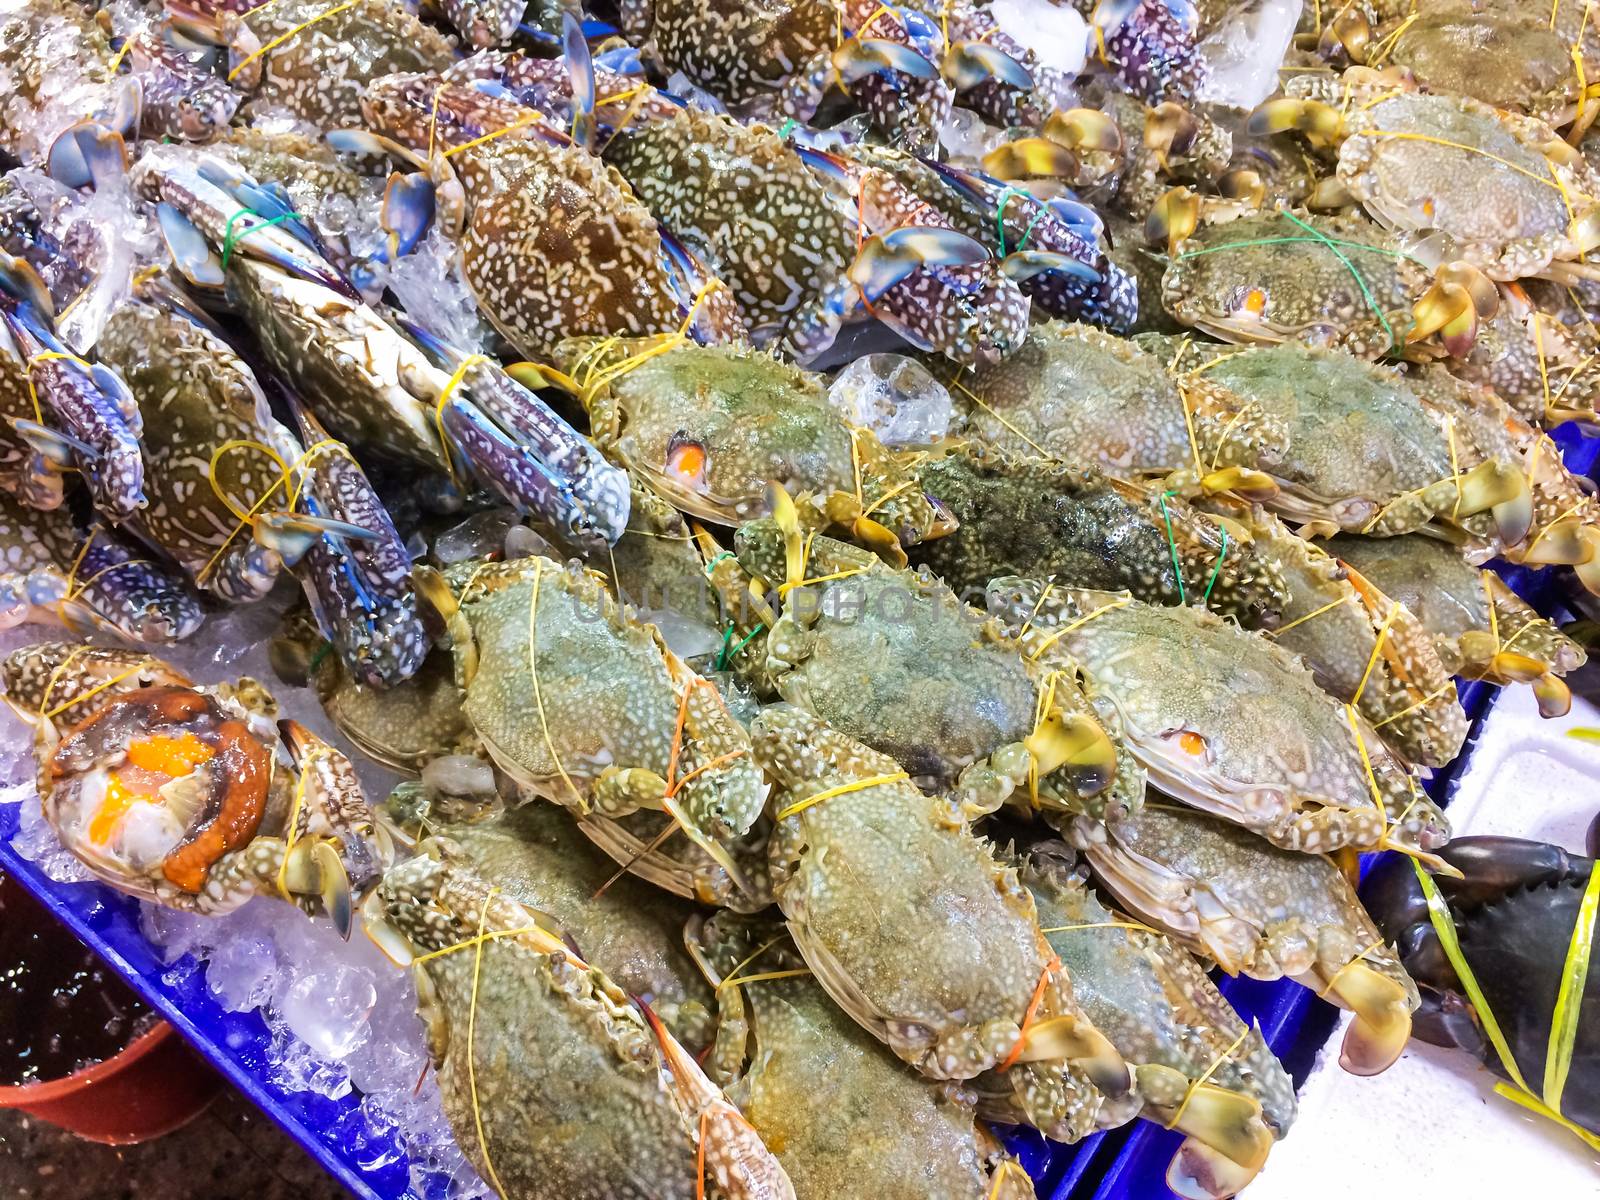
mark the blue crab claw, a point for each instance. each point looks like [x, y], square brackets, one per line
[624, 60]
[1111, 15]
[21, 282]
[88, 154]
[191, 252]
[830, 166]
[409, 203]
[688, 275]
[290, 535]
[1079, 218]
[968, 64]
[888, 258]
[855, 60]
[268, 201]
[142, 600]
[580, 67]
[364, 143]
[60, 450]
[1025, 264]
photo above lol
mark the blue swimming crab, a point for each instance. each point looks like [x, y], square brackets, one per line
[174, 793]
[919, 933]
[1503, 192]
[1264, 912]
[83, 575]
[782, 1041]
[1197, 1066]
[617, 722]
[1201, 706]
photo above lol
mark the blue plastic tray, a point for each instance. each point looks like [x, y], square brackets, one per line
[1125, 1164]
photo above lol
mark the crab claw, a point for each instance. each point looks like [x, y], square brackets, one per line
[1228, 1122]
[1352, 32]
[1448, 308]
[1485, 295]
[1382, 1018]
[393, 944]
[409, 202]
[20, 281]
[1028, 157]
[1553, 695]
[1503, 490]
[60, 450]
[1078, 1042]
[1241, 481]
[1198, 1172]
[1284, 115]
[312, 867]
[1025, 264]
[1077, 742]
[856, 59]
[887, 258]
[1083, 129]
[1172, 218]
[292, 534]
[968, 64]
[1513, 517]
[1587, 569]
[1585, 230]
[1243, 185]
[87, 154]
[1169, 129]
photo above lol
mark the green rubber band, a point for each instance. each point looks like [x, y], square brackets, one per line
[722, 654]
[1172, 544]
[712, 565]
[316, 659]
[1216, 570]
[1281, 241]
[1000, 215]
[1028, 232]
[1361, 282]
[787, 129]
[745, 641]
[230, 235]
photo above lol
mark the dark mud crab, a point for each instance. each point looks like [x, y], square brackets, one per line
[1512, 917]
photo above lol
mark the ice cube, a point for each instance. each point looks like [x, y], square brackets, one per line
[967, 137]
[240, 973]
[1244, 50]
[478, 536]
[1057, 35]
[894, 396]
[682, 87]
[430, 287]
[328, 1009]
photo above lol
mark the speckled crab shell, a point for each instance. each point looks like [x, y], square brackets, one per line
[1229, 722]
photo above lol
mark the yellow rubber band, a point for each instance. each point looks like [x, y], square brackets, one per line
[857, 785]
[1216, 1063]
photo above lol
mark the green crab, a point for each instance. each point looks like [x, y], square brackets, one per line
[55, 568]
[712, 428]
[919, 933]
[173, 793]
[536, 856]
[1026, 516]
[1323, 280]
[885, 1133]
[555, 1083]
[553, 242]
[1227, 721]
[1265, 912]
[1504, 191]
[1363, 646]
[311, 58]
[1197, 1066]
[894, 658]
[1364, 452]
[1481, 628]
[583, 705]
[1076, 394]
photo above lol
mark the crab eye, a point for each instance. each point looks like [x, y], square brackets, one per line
[1248, 301]
[1192, 743]
[686, 461]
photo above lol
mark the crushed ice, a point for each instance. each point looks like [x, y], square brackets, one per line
[894, 396]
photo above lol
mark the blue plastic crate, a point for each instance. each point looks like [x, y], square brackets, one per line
[1124, 1164]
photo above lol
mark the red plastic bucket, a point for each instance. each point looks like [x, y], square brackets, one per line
[154, 1086]
[151, 1087]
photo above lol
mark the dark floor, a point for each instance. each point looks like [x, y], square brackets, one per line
[229, 1152]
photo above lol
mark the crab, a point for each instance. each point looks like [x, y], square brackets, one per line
[1504, 192]
[1363, 451]
[1481, 628]
[64, 412]
[404, 398]
[307, 58]
[58, 65]
[535, 854]
[1025, 516]
[1226, 721]
[617, 724]
[1265, 912]
[1364, 647]
[1513, 910]
[1335, 281]
[553, 1080]
[918, 932]
[503, 174]
[173, 793]
[1151, 47]
[712, 428]
[825, 238]
[1197, 1066]
[896, 659]
[781, 1041]
[1079, 395]
[180, 96]
[55, 568]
